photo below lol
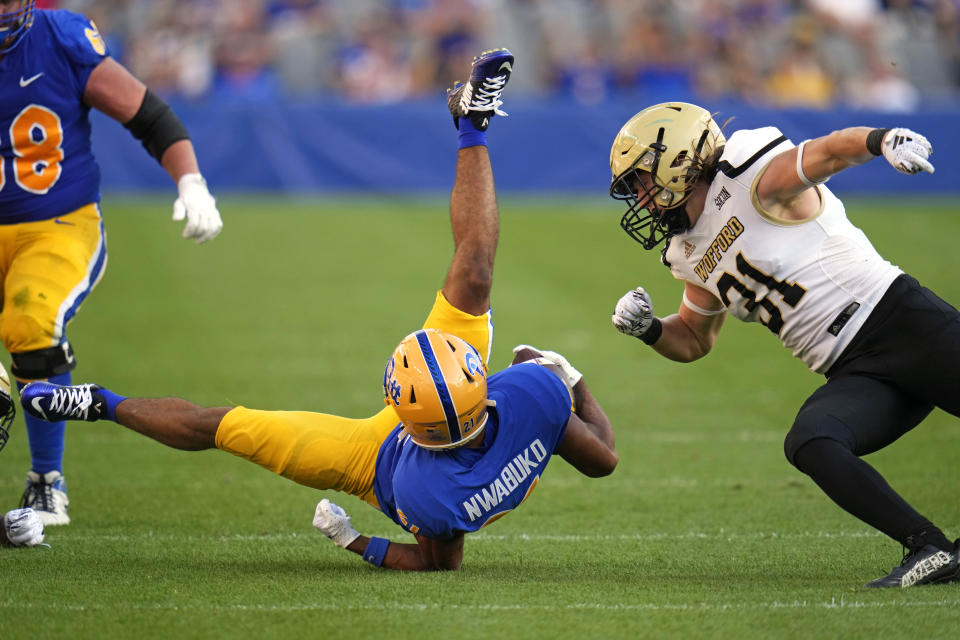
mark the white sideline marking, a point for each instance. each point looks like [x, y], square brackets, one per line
[834, 603]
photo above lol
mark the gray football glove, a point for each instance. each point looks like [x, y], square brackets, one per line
[634, 313]
[332, 521]
[907, 151]
[23, 528]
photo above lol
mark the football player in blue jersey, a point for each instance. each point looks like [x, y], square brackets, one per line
[55, 67]
[452, 450]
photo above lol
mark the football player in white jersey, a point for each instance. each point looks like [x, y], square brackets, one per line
[750, 229]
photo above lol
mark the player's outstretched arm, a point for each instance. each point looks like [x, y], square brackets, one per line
[114, 91]
[427, 555]
[814, 161]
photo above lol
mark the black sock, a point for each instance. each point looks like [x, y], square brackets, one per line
[859, 490]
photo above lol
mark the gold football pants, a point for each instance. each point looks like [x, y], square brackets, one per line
[325, 451]
[47, 269]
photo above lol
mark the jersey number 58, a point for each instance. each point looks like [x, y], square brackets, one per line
[36, 137]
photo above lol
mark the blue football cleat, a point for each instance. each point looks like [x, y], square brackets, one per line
[479, 98]
[46, 493]
[53, 402]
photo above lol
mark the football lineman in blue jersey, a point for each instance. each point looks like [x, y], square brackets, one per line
[55, 67]
[751, 230]
[453, 450]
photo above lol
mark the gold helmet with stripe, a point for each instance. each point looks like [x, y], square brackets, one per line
[670, 142]
[437, 383]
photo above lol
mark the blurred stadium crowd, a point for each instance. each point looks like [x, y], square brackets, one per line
[878, 54]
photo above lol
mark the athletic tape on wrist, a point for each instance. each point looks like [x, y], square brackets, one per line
[376, 551]
[875, 141]
[653, 333]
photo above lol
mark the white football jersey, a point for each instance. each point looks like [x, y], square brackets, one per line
[812, 283]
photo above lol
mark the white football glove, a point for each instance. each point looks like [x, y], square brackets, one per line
[23, 528]
[332, 521]
[634, 313]
[568, 373]
[198, 207]
[907, 151]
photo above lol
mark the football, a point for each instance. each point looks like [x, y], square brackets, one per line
[525, 354]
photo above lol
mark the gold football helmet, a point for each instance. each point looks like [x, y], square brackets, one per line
[670, 142]
[437, 383]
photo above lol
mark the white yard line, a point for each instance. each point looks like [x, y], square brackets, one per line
[696, 607]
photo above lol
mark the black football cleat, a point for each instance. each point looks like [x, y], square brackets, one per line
[926, 565]
[479, 98]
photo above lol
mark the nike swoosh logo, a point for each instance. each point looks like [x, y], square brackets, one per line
[35, 404]
[59, 221]
[24, 83]
[505, 65]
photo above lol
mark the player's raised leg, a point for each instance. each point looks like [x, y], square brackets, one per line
[473, 202]
[333, 452]
[174, 422]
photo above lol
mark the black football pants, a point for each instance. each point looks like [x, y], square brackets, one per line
[904, 361]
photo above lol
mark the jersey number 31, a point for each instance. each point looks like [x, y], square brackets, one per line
[790, 292]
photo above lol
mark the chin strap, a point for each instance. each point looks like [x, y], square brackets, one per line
[676, 220]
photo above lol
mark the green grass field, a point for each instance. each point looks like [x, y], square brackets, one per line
[704, 530]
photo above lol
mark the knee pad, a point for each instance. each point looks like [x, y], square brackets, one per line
[43, 363]
[805, 429]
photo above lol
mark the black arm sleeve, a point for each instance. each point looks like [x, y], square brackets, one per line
[156, 125]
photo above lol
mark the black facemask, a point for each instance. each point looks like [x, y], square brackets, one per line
[644, 221]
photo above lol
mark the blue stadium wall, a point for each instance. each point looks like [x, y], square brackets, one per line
[543, 146]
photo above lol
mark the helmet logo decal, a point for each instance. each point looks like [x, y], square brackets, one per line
[440, 384]
[391, 388]
[474, 368]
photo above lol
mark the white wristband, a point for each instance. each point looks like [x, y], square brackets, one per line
[800, 174]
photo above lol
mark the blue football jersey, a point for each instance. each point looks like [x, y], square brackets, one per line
[439, 494]
[46, 163]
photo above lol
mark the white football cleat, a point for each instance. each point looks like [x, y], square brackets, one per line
[47, 495]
